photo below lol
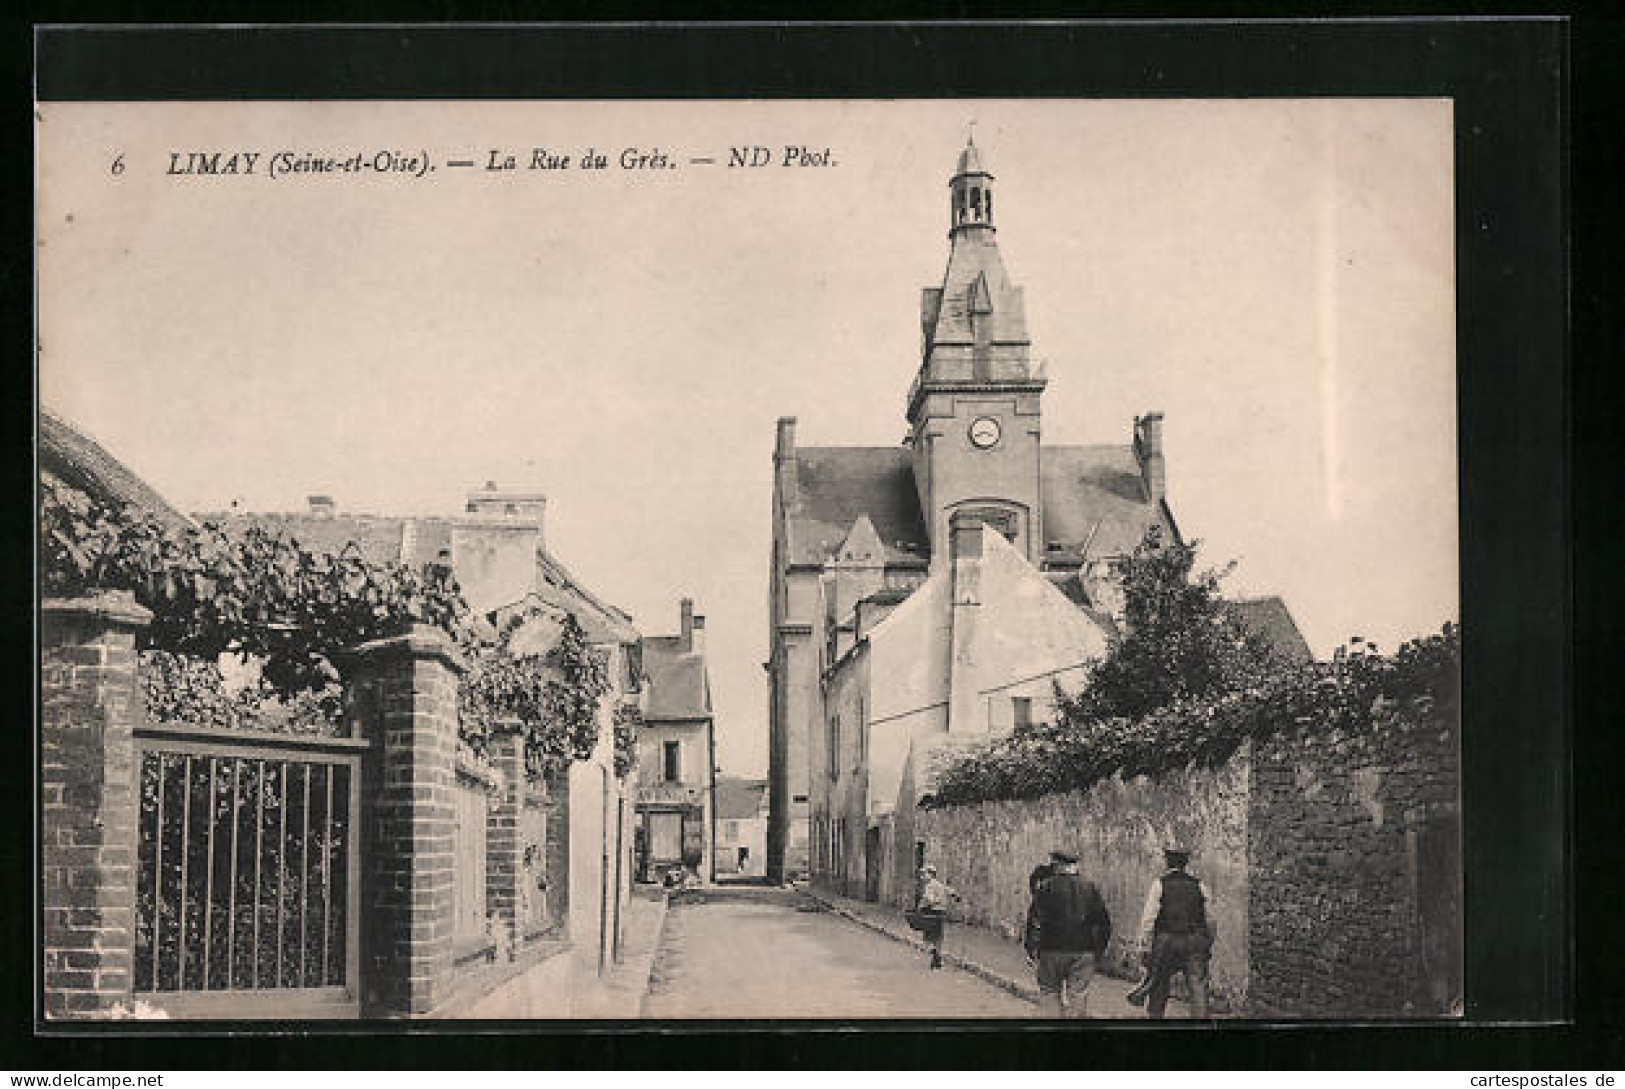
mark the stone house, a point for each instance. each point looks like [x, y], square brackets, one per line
[676, 822]
[741, 827]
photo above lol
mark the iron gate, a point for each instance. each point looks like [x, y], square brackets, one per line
[248, 872]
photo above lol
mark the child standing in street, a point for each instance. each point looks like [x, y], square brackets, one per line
[931, 908]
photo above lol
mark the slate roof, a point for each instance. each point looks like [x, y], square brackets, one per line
[1094, 496]
[79, 461]
[837, 484]
[1269, 617]
[976, 278]
[551, 572]
[739, 799]
[678, 687]
[1091, 494]
[378, 537]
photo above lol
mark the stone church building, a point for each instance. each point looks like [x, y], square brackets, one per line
[927, 595]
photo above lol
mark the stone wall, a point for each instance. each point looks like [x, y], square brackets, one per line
[1118, 830]
[1332, 864]
[1355, 874]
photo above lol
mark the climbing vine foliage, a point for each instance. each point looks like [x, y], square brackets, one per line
[627, 720]
[253, 594]
[554, 697]
[288, 614]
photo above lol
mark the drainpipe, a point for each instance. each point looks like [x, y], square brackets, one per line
[603, 872]
[711, 793]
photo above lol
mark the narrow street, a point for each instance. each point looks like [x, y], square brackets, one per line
[768, 953]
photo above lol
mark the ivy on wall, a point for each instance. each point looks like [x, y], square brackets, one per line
[628, 718]
[554, 696]
[193, 691]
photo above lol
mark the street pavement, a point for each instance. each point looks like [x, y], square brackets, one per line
[991, 956]
[777, 953]
[570, 984]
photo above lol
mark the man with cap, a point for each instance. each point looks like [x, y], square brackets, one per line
[1175, 935]
[1069, 934]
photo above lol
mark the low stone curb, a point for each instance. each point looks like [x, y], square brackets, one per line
[1021, 990]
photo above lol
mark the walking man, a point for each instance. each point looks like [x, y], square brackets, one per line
[1068, 934]
[1176, 935]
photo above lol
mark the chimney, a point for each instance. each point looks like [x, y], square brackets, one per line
[519, 505]
[785, 447]
[784, 461]
[494, 542]
[1148, 451]
[685, 635]
[697, 635]
[321, 506]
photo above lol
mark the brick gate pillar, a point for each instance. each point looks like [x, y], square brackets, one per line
[89, 705]
[505, 864]
[403, 694]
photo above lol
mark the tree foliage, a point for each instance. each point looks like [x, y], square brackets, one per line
[1181, 641]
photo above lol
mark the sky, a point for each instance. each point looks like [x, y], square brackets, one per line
[1276, 276]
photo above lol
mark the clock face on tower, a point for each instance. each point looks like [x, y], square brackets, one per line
[984, 432]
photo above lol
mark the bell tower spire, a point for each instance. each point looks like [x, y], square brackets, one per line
[973, 411]
[970, 205]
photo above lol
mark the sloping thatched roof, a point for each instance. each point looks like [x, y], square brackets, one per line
[79, 461]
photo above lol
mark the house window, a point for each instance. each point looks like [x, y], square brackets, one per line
[673, 765]
[1022, 711]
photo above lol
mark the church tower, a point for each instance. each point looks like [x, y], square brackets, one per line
[973, 411]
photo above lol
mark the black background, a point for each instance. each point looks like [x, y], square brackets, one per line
[1540, 461]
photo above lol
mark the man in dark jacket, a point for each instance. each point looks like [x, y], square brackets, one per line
[1176, 935]
[1069, 932]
